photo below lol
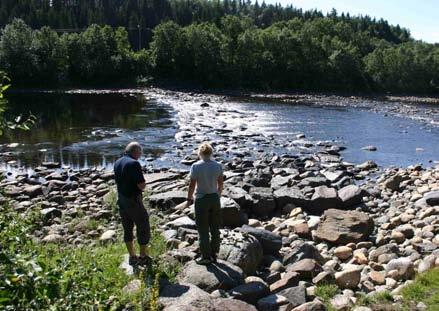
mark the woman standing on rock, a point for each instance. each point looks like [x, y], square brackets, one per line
[206, 176]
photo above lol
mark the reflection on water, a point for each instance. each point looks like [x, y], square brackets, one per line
[81, 130]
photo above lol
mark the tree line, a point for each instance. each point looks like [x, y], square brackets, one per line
[227, 43]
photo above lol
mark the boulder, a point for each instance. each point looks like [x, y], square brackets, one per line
[108, 235]
[404, 267]
[284, 196]
[342, 227]
[182, 297]
[228, 304]
[182, 222]
[432, 198]
[33, 191]
[251, 291]
[271, 242]
[307, 268]
[231, 213]
[221, 275]
[350, 195]
[50, 212]
[296, 295]
[239, 195]
[263, 201]
[349, 277]
[167, 200]
[393, 182]
[301, 250]
[323, 198]
[240, 249]
[273, 303]
[289, 279]
[311, 306]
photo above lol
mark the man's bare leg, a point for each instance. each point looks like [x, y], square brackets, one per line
[130, 248]
[143, 250]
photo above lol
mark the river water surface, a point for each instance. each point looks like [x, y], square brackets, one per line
[90, 129]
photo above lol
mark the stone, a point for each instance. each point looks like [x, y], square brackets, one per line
[182, 297]
[50, 212]
[184, 222]
[341, 303]
[132, 287]
[221, 275]
[311, 306]
[324, 198]
[289, 279]
[263, 201]
[167, 200]
[231, 213]
[296, 295]
[404, 267]
[284, 196]
[349, 277]
[250, 292]
[302, 250]
[350, 195]
[228, 304]
[432, 198]
[271, 242]
[272, 303]
[393, 182]
[108, 235]
[33, 191]
[343, 252]
[307, 268]
[53, 238]
[241, 249]
[342, 227]
[377, 277]
[369, 148]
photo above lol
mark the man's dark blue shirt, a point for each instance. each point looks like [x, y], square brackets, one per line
[128, 174]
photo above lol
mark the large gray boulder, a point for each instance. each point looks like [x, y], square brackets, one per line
[324, 198]
[231, 213]
[350, 195]
[284, 196]
[220, 275]
[241, 249]
[263, 201]
[167, 200]
[302, 250]
[271, 242]
[251, 291]
[340, 227]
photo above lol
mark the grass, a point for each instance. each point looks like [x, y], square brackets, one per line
[326, 292]
[64, 277]
[424, 289]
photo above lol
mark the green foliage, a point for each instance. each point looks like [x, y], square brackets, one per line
[380, 298]
[53, 277]
[425, 289]
[326, 291]
[211, 43]
[18, 122]
[42, 57]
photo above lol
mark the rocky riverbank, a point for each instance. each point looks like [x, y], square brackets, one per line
[293, 220]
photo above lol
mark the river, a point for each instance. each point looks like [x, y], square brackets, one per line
[89, 129]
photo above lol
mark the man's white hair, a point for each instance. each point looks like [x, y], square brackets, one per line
[133, 147]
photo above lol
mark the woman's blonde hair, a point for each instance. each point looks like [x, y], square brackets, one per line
[205, 150]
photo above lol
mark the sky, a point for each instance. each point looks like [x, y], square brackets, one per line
[421, 17]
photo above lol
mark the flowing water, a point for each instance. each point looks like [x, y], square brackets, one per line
[90, 129]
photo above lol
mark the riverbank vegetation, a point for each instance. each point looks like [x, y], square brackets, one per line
[66, 277]
[224, 44]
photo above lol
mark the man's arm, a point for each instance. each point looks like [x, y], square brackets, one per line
[141, 186]
[138, 176]
[220, 184]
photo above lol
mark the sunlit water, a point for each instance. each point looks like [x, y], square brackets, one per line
[90, 130]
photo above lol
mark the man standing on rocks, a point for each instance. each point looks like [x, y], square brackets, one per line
[206, 176]
[130, 184]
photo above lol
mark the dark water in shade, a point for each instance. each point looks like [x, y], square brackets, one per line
[84, 130]
[81, 130]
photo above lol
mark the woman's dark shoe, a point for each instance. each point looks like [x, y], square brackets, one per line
[203, 261]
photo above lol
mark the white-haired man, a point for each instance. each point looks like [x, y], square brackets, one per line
[130, 184]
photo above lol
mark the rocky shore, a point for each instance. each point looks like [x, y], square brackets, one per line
[293, 221]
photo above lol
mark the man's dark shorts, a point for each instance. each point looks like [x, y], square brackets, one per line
[133, 212]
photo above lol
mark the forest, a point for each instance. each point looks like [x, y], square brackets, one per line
[223, 44]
